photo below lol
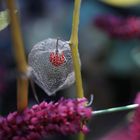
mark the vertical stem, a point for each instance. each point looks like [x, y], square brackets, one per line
[81, 136]
[75, 56]
[74, 49]
[22, 93]
[22, 82]
[75, 23]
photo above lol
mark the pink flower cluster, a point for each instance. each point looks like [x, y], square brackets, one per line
[118, 27]
[67, 116]
[135, 126]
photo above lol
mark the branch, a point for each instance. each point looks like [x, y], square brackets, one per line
[22, 86]
[74, 48]
[75, 55]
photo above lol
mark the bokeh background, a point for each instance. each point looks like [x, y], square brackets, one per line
[110, 66]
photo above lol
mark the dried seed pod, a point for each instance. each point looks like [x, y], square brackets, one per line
[51, 65]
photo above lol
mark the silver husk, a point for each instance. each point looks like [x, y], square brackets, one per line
[49, 77]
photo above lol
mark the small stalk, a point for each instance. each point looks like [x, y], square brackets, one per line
[22, 81]
[115, 109]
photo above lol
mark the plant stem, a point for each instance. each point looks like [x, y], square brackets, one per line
[74, 49]
[22, 82]
[81, 136]
[115, 109]
[75, 55]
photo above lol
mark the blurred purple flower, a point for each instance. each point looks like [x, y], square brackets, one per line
[135, 126]
[118, 27]
[67, 116]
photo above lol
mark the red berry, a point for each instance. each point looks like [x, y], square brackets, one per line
[57, 59]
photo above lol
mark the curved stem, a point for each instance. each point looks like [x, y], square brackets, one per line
[22, 82]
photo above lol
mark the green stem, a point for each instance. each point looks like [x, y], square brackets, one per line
[18, 47]
[75, 55]
[115, 109]
[81, 136]
[74, 49]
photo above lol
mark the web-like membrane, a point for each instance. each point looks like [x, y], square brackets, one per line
[45, 73]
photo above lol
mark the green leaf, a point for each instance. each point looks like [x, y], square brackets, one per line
[4, 19]
[121, 3]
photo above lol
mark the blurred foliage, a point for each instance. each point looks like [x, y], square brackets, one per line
[122, 3]
[4, 20]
